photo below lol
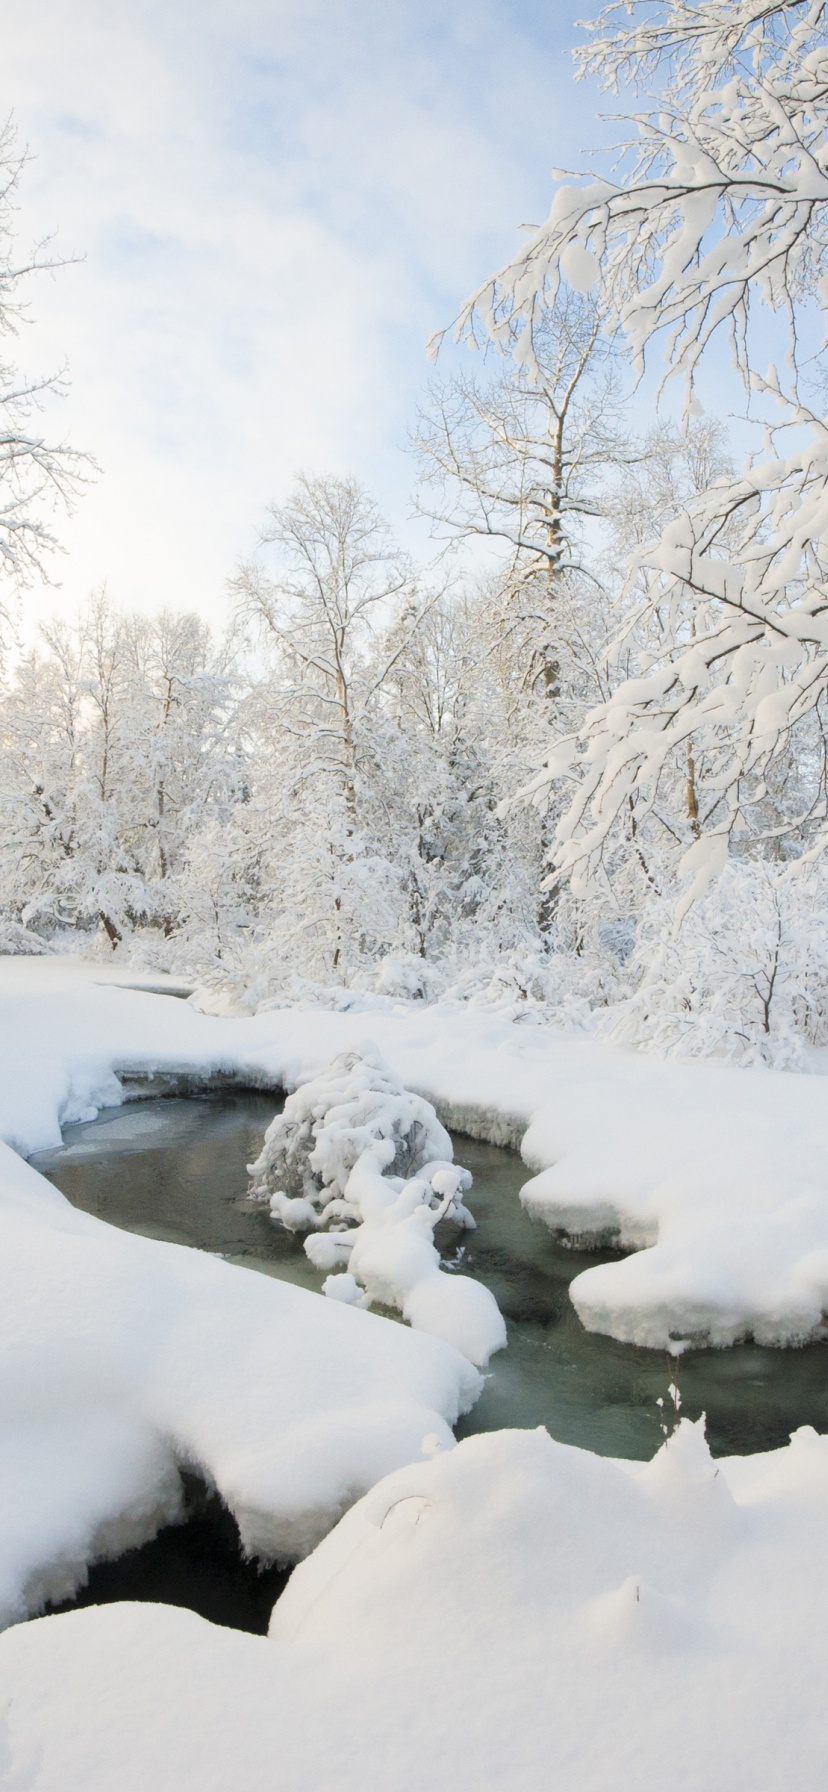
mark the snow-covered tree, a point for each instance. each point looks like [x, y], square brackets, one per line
[38, 477]
[746, 977]
[337, 566]
[716, 217]
[470, 874]
[182, 745]
[114, 749]
[525, 460]
[337, 583]
[521, 460]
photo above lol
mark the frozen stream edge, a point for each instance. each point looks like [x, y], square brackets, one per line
[585, 1610]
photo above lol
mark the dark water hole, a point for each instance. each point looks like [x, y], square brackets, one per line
[175, 1169]
[196, 1564]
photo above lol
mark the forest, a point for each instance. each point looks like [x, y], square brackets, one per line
[572, 762]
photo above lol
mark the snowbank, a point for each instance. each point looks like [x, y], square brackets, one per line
[721, 1174]
[122, 1358]
[370, 1161]
[512, 1614]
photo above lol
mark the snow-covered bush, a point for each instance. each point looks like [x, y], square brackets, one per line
[745, 975]
[561, 987]
[407, 977]
[311, 1148]
[365, 1166]
[17, 940]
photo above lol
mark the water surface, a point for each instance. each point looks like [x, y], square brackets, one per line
[176, 1169]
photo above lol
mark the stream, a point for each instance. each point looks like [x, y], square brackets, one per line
[176, 1169]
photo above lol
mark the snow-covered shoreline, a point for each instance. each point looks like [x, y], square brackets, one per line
[123, 1359]
[510, 1614]
[603, 1623]
[721, 1173]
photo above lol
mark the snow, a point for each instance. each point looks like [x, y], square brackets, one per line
[372, 1159]
[720, 1174]
[504, 1612]
[512, 1613]
[123, 1356]
[123, 1359]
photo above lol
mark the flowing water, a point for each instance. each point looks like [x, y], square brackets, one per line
[176, 1169]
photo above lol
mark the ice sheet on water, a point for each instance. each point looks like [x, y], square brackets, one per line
[134, 1126]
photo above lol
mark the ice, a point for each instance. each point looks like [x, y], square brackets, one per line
[133, 1128]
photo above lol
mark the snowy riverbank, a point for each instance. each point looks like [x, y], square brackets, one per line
[512, 1614]
[123, 1359]
[722, 1174]
[508, 1612]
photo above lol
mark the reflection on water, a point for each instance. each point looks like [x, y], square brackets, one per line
[176, 1170]
[588, 1389]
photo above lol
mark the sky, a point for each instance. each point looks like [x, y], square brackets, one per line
[276, 202]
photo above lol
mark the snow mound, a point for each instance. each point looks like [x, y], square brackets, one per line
[511, 1613]
[355, 1151]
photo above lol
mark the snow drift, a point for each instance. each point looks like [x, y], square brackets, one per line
[512, 1613]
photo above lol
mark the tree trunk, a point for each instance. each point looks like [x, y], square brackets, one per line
[692, 794]
[112, 931]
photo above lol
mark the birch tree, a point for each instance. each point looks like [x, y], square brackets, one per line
[521, 460]
[337, 580]
[336, 568]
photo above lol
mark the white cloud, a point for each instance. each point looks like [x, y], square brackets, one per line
[277, 200]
